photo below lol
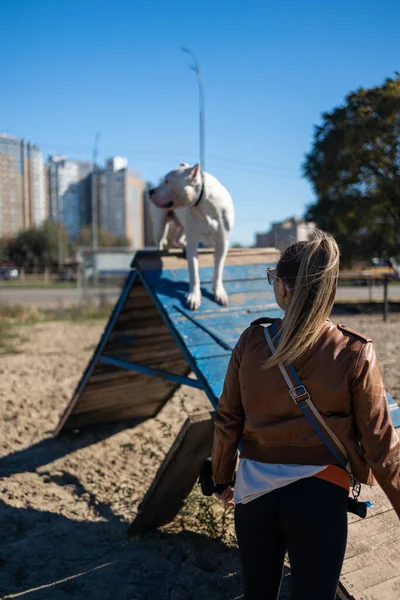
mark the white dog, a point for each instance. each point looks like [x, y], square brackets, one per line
[204, 208]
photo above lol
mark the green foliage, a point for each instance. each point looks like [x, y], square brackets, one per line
[207, 516]
[354, 167]
[7, 339]
[36, 246]
[3, 248]
[105, 238]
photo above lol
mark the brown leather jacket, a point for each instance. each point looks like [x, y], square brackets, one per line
[342, 375]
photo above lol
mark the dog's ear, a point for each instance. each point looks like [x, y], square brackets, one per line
[184, 164]
[194, 171]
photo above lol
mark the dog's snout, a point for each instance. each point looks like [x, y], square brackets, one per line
[151, 192]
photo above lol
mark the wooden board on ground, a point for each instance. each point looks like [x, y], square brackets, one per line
[176, 475]
[371, 569]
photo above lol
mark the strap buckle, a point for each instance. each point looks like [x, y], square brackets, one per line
[297, 394]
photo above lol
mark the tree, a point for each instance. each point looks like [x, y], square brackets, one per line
[3, 248]
[354, 167]
[37, 246]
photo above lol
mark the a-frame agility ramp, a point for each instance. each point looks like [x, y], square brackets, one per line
[152, 344]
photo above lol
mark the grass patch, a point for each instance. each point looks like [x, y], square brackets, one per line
[26, 315]
[35, 285]
[8, 339]
[14, 317]
[207, 516]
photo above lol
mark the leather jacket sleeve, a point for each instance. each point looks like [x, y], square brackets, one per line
[378, 438]
[229, 421]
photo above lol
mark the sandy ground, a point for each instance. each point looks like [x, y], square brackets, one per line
[66, 502]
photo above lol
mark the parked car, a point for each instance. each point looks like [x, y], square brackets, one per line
[8, 272]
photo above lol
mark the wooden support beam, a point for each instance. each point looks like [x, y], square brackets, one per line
[177, 474]
[122, 364]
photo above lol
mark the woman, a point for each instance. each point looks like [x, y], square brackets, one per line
[290, 494]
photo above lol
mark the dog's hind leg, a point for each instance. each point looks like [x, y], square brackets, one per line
[221, 249]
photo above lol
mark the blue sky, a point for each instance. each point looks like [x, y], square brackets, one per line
[71, 69]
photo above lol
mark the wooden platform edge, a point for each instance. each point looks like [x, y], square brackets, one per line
[176, 475]
[342, 593]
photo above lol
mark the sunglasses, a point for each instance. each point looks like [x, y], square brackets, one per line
[272, 276]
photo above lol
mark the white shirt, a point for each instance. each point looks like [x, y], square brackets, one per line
[254, 479]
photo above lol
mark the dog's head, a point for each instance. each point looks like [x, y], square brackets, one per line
[179, 188]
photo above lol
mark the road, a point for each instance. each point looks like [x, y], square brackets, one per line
[53, 298]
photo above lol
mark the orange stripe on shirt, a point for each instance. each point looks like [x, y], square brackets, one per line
[335, 475]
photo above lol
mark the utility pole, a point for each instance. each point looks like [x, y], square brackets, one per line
[197, 69]
[95, 217]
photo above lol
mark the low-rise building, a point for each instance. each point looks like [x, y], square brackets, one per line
[284, 233]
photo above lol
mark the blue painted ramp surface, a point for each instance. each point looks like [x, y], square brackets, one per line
[207, 336]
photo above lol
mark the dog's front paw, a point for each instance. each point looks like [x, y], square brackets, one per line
[194, 299]
[220, 295]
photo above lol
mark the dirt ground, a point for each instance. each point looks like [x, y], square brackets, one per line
[66, 502]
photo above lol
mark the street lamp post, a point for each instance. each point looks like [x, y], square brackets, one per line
[95, 218]
[197, 69]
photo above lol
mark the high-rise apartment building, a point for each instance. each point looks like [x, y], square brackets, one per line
[121, 210]
[69, 189]
[22, 186]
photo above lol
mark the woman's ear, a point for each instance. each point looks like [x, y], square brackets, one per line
[281, 288]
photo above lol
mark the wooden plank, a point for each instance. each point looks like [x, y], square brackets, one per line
[243, 286]
[176, 475]
[151, 349]
[257, 300]
[175, 259]
[133, 403]
[231, 273]
[371, 533]
[214, 373]
[146, 370]
[260, 300]
[375, 569]
[371, 569]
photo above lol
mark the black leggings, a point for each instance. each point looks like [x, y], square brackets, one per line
[307, 518]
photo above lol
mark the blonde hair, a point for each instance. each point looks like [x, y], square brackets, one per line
[310, 270]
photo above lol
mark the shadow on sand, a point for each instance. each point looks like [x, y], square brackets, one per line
[46, 555]
[51, 448]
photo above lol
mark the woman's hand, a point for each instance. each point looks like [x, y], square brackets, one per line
[226, 496]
